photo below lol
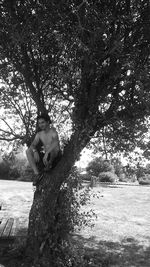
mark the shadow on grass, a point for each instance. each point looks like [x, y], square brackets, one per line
[12, 249]
[128, 253]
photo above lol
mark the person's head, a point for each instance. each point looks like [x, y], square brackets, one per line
[43, 121]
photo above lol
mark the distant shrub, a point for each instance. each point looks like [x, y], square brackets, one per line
[147, 169]
[118, 169]
[27, 174]
[133, 178]
[107, 177]
[85, 176]
[4, 170]
[144, 180]
[123, 178]
[14, 173]
[21, 165]
[16, 163]
[98, 165]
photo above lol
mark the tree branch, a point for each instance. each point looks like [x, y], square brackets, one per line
[12, 133]
[27, 73]
[9, 139]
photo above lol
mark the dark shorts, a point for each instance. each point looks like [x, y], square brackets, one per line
[55, 161]
[40, 150]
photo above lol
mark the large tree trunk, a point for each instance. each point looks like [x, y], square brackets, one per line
[42, 232]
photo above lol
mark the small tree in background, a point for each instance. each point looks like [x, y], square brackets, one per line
[99, 165]
[118, 167]
[143, 174]
[102, 169]
[107, 177]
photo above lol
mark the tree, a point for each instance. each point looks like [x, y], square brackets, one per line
[98, 165]
[92, 54]
[123, 139]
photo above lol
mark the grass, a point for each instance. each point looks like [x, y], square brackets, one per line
[121, 235]
[123, 211]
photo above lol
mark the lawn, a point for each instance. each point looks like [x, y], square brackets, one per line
[121, 235]
[16, 199]
[122, 229]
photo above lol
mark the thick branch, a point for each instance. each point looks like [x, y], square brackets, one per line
[27, 73]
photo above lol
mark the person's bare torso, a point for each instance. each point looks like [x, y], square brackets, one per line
[48, 138]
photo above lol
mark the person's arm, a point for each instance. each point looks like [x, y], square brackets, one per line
[35, 143]
[54, 144]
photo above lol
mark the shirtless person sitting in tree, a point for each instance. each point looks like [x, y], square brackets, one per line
[44, 152]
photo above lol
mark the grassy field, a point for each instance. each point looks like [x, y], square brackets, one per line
[16, 199]
[121, 235]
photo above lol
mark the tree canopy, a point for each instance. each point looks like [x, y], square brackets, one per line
[93, 55]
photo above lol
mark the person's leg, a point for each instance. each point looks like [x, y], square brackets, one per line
[37, 167]
[53, 159]
[53, 155]
[31, 160]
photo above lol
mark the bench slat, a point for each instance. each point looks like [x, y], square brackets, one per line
[8, 227]
[2, 225]
[15, 227]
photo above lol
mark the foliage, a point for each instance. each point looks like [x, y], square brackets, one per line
[98, 165]
[16, 165]
[143, 174]
[107, 177]
[144, 180]
[118, 167]
[129, 170]
[14, 173]
[72, 197]
[85, 176]
[141, 170]
[76, 47]
[69, 217]
[123, 178]
[8, 172]
[4, 170]
[147, 168]
[124, 138]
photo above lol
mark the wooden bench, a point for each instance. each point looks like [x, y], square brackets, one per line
[6, 227]
[11, 227]
[8, 230]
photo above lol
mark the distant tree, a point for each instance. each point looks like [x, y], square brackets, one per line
[92, 54]
[118, 167]
[98, 165]
[143, 174]
[147, 168]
